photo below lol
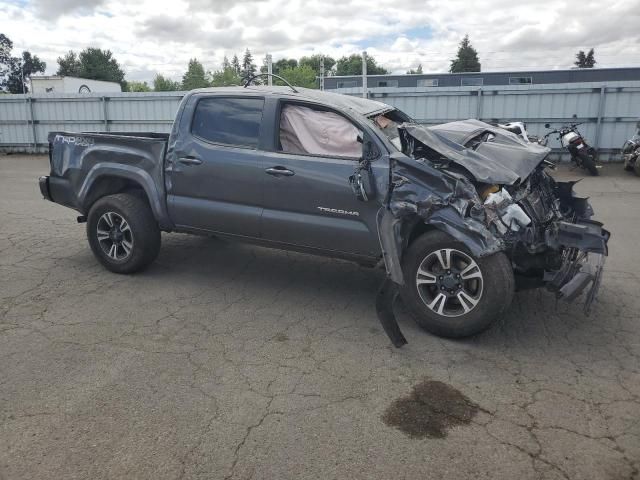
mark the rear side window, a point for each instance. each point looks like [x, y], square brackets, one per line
[230, 121]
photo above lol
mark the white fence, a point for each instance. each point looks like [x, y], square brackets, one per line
[609, 110]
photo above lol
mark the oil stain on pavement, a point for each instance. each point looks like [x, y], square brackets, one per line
[429, 410]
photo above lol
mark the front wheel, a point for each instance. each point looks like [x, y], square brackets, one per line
[450, 292]
[122, 233]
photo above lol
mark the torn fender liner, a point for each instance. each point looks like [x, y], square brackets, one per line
[385, 299]
[505, 159]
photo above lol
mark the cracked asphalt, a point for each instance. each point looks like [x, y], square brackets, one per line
[228, 361]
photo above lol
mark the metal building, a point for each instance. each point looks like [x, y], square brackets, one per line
[527, 77]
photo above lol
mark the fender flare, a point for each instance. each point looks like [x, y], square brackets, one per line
[137, 175]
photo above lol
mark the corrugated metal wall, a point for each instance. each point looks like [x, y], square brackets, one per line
[25, 121]
[609, 110]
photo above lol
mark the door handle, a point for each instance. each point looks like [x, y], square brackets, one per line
[280, 171]
[190, 160]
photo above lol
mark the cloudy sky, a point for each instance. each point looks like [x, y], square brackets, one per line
[149, 36]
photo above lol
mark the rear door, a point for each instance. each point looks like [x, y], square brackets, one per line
[308, 201]
[214, 174]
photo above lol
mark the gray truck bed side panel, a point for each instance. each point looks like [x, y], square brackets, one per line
[78, 160]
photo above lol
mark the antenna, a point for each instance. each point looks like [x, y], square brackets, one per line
[251, 79]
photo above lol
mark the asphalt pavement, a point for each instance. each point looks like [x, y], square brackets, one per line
[225, 360]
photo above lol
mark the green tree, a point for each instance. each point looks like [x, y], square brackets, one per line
[20, 71]
[416, 71]
[69, 65]
[16, 71]
[225, 63]
[226, 77]
[235, 64]
[133, 86]
[6, 46]
[467, 58]
[299, 77]
[194, 77]
[352, 65]
[98, 64]
[585, 61]
[163, 84]
[313, 62]
[248, 68]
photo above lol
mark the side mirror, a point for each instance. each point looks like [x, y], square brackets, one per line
[547, 125]
[575, 115]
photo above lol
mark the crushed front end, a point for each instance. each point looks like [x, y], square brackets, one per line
[490, 190]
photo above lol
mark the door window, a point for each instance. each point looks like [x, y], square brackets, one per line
[229, 121]
[305, 130]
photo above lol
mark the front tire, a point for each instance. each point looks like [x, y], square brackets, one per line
[450, 292]
[123, 233]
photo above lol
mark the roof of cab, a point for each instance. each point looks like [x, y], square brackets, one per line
[362, 106]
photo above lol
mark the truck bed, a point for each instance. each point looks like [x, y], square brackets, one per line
[80, 161]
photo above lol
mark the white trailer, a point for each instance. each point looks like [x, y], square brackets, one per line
[58, 84]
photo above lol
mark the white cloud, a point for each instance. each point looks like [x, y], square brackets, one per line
[151, 36]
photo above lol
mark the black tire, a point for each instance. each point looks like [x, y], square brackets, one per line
[589, 162]
[143, 232]
[496, 291]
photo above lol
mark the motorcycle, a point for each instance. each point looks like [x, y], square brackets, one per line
[631, 152]
[582, 154]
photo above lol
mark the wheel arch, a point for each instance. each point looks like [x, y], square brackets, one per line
[111, 179]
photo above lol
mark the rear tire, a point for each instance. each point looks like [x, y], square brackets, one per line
[122, 233]
[588, 162]
[492, 289]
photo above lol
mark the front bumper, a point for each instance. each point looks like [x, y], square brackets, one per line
[586, 249]
[44, 188]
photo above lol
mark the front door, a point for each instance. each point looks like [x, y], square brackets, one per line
[307, 197]
[214, 175]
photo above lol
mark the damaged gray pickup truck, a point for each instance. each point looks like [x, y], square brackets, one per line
[461, 214]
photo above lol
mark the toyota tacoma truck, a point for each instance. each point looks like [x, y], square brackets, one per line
[460, 214]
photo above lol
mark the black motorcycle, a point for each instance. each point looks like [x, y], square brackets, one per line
[582, 154]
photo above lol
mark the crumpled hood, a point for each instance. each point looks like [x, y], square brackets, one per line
[504, 160]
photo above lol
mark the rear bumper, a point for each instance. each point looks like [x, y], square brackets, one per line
[44, 188]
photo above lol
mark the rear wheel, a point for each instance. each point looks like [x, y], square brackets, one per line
[589, 162]
[123, 233]
[450, 292]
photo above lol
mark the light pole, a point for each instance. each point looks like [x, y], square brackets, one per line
[22, 71]
[364, 74]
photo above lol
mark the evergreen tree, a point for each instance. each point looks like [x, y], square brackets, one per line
[416, 71]
[235, 64]
[194, 77]
[585, 61]
[467, 58]
[225, 78]
[248, 68]
[225, 63]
